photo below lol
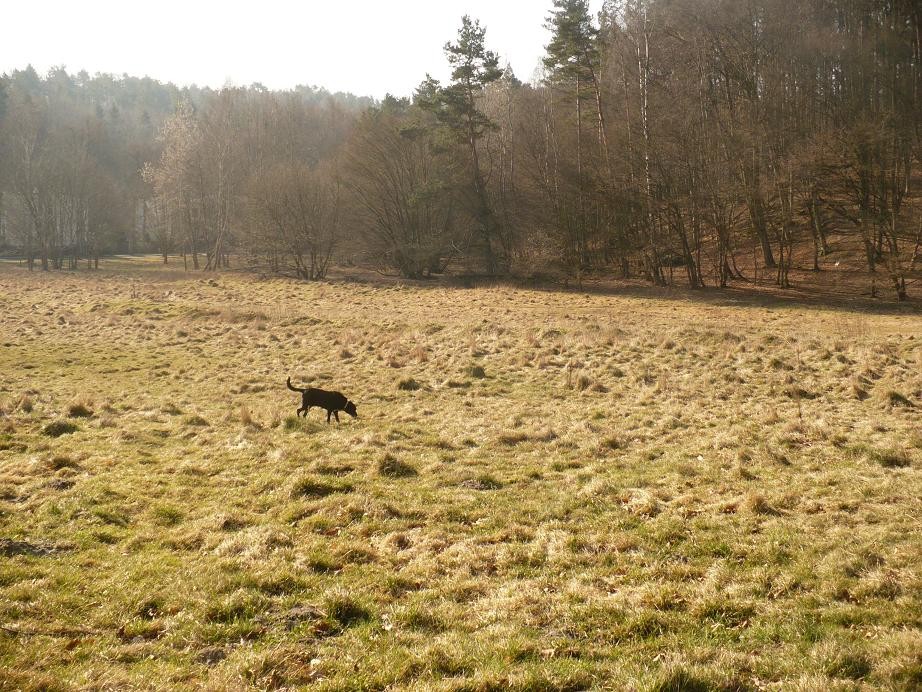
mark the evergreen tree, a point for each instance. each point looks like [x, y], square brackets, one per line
[573, 65]
[572, 53]
[456, 108]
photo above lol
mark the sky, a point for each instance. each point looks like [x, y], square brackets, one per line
[367, 47]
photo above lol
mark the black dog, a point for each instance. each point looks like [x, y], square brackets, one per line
[333, 402]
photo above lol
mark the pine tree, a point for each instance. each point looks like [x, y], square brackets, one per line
[572, 63]
[571, 54]
[573, 59]
[455, 106]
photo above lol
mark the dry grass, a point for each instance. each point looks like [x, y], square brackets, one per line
[575, 491]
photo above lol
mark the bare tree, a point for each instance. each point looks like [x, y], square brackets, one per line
[408, 204]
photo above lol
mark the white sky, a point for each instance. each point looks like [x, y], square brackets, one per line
[368, 47]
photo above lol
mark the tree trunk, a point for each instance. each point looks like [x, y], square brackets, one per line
[757, 217]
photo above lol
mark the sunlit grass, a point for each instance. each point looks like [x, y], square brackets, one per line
[575, 491]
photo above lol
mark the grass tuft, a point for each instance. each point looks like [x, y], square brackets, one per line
[345, 611]
[476, 372]
[891, 458]
[391, 467]
[695, 528]
[311, 488]
[79, 410]
[421, 619]
[482, 482]
[62, 462]
[843, 660]
[165, 515]
[755, 503]
[613, 442]
[895, 399]
[246, 417]
[58, 428]
[679, 679]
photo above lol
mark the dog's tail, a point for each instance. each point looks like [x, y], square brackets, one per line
[294, 389]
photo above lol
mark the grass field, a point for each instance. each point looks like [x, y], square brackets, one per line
[543, 490]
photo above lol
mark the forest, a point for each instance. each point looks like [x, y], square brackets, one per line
[693, 142]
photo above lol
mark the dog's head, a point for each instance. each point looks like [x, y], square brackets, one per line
[350, 409]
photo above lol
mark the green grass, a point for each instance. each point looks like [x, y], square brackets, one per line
[627, 492]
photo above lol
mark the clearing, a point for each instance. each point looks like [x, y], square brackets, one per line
[544, 490]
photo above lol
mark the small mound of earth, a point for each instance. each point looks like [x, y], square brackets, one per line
[10, 548]
[212, 655]
[479, 484]
[299, 614]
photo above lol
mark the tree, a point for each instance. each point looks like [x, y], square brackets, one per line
[30, 174]
[402, 182]
[300, 210]
[572, 57]
[709, 139]
[175, 218]
[456, 108]
[3, 154]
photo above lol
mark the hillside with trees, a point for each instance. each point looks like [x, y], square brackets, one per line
[697, 142]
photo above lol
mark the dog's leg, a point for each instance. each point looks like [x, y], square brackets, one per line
[336, 415]
[329, 413]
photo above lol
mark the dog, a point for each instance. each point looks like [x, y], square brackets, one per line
[333, 402]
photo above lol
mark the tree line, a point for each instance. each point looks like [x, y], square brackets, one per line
[701, 141]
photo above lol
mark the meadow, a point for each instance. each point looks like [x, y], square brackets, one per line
[543, 490]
